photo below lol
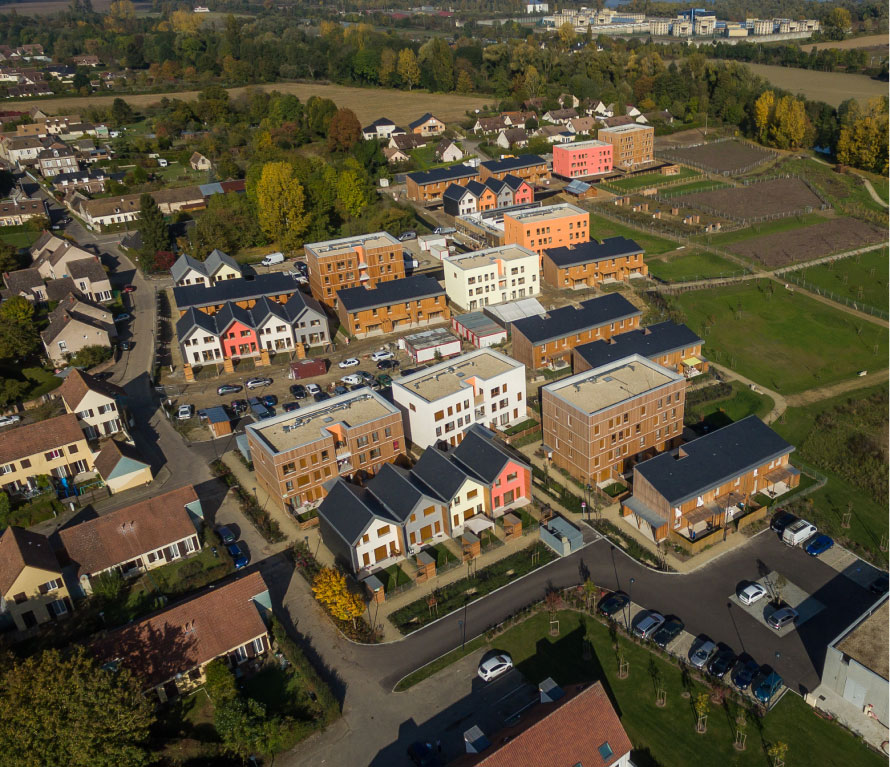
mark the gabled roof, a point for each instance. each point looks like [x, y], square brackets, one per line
[713, 459]
[514, 182]
[495, 184]
[515, 135]
[588, 252]
[389, 292]
[78, 384]
[23, 280]
[380, 122]
[481, 455]
[455, 192]
[74, 308]
[87, 269]
[566, 320]
[513, 163]
[208, 267]
[350, 509]
[476, 188]
[422, 119]
[20, 548]
[437, 472]
[130, 532]
[396, 490]
[652, 341]
[39, 437]
[117, 459]
[438, 175]
[270, 284]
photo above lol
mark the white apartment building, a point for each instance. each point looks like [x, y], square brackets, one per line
[442, 401]
[492, 276]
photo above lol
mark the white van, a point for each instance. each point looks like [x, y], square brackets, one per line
[798, 532]
[273, 258]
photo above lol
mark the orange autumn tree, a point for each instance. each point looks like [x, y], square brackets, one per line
[330, 588]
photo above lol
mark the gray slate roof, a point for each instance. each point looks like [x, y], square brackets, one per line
[207, 267]
[481, 455]
[588, 252]
[349, 509]
[653, 341]
[396, 490]
[389, 292]
[271, 284]
[513, 163]
[442, 476]
[252, 318]
[562, 322]
[442, 174]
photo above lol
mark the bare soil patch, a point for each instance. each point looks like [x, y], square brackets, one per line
[869, 41]
[722, 156]
[776, 196]
[832, 236]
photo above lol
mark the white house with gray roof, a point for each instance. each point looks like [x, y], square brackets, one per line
[218, 266]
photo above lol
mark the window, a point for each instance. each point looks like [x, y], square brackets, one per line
[52, 455]
[240, 655]
[438, 417]
[472, 494]
[58, 608]
[9, 468]
[190, 545]
[50, 585]
[259, 645]
[382, 530]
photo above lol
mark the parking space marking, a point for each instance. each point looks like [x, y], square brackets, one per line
[792, 595]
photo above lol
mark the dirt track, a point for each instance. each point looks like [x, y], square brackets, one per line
[826, 392]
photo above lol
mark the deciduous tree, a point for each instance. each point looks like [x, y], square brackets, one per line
[281, 205]
[408, 69]
[344, 131]
[331, 590]
[18, 336]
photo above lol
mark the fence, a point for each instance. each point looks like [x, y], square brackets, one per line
[857, 305]
[769, 154]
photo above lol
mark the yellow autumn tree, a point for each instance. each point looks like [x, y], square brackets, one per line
[186, 22]
[790, 123]
[763, 112]
[388, 63]
[862, 142]
[330, 588]
[465, 82]
[281, 205]
[408, 68]
[567, 34]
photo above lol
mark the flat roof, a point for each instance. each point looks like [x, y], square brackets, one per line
[309, 424]
[451, 376]
[581, 145]
[608, 385]
[479, 323]
[430, 338]
[347, 244]
[866, 642]
[548, 212]
[490, 256]
[630, 128]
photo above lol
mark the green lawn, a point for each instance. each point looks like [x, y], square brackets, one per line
[425, 157]
[180, 175]
[393, 577]
[632, 183]
[601, 228]
[693, 266]
[781, 339]
[859, 278]
[705, 185]
[192, 573]
[740, 404]
[40, 380]
[770, 227]
[843, 188]
[24, 238]
[442, 554]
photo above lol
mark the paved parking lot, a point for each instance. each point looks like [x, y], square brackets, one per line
[792, 595]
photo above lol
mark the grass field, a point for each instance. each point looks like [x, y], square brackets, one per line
[692, 266]
[367, 103]
[837, 187]
[721, 412]
[24, 238]
[770, 227]
[632, 183]
[783, 340]
[859, 278]
[704, 185]
[653, 245]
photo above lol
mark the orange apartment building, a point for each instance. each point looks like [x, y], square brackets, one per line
[351, 262]
[397, 305]
[428, 186]
[587, 264]
[704, 485]
[529, 167]
[670, 345]
[552, 226]
[548, 339]
[294, 454]
[598, 424]
[632, 145]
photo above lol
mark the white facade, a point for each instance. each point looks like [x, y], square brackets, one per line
[380, 534]
[442, 401]
[492, 276]
[98, 415]
[200, 346]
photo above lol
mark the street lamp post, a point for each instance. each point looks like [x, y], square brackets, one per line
[460, 628]
[629, 603]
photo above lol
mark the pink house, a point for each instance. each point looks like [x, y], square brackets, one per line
[239, 340]
[582, 158]
[523, 194]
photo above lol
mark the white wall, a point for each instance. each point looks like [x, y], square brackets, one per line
[375, 541]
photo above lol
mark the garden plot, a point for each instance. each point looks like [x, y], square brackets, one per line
[728, 157]
[772, 198]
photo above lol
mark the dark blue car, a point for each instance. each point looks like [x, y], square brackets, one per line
[768, 687]
[744, 672]
[269, 400]
[238, 556]
[819, 545]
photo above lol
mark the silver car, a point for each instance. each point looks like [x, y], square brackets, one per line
[782, 617]
[702, 654]
[649, 625]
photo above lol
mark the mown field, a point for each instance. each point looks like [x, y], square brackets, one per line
[632, 183]
[723, 239]
[782, 339]
[692, 266]
[859, 278]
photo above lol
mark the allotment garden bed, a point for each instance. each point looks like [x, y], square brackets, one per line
[770, 197]
[722, 156]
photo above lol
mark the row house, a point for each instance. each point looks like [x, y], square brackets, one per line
[29, 284]
[244, 292]
[632, 145]
[441, 402]
[548, 339]
[134, 539]
[56, 259]
[97, 404]
[529, 167]
[428, 186]
[168, 652]
[667, 343]
[234, 332]
[502, 122]
[351, 262]
[400, 511]
[20, 210]
[582, 158]
[55, 160]
[704, 484]
[598, 424]
[394, 305]
[217, 267]
[90, 181]
[551, 226]
[427, 125]
[351, 435]
[493, 193]
[589, 264]
[491, 276]
[74, 324]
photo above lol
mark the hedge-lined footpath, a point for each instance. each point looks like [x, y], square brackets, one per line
[258, 516]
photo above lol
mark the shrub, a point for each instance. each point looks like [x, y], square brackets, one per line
[108, 586]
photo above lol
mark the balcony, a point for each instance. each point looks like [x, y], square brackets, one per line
[341, 450]
[479, 413]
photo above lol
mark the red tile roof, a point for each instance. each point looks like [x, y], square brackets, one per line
[78, 383]
[20, 548]
[53, 433]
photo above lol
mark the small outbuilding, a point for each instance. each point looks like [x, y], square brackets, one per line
[562, 536]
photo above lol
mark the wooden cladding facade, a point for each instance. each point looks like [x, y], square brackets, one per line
[397, 316]
[592, 273]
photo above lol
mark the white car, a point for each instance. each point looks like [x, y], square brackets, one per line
[312, 389]
[353, 379]
[752, 593]
[495, 667]
[185, 412]
[649, 625]
[350, 362]
[257, 383]
[381, 355]
[9, 420]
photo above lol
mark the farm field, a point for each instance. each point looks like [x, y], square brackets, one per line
[834, 235]
[830, 87]
[601, 228]
[692, 266]
[780, 195]
[868, 41]
[859, 278]
[783, 340]
[722, 239]
[49, 7]
[367, 103]
[632, 183]
[722, 156]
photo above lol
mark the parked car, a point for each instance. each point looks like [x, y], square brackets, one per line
[819, 545]
[384, 380]
[313, 389]
[368, 377]
[9, 420]
[409, 235]
[125, 346]
[782, 617]
[349, 362]
[382, 354]
[338, 390]
[239, 406]
[321, 396]
[269, 400]
[129, 289]
[797, 532]
[444, 230]
[878, 586]
[668, 632]
[781, 520]
[226, 535]
[298, 391]
[649, 625]
[229, 389]
[495, 667]
[701, 651]
[257, 383]
[387, 364]
[185, 412]
[239, 557]
[613, 603]
[745, 670]
[352, 379]
[290, 406]
[751, 593]
[768, 686]
[124, 317]
[724, 659]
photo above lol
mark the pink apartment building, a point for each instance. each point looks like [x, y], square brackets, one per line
[583, 158]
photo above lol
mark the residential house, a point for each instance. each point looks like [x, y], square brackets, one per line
[704, 484]
[617, 121]
[55, 160]
[394, 305]
[89, 181]
[121, 466]
[97, 404]
[55, 259]
[582, 159]
[428, 186]
[551, 226]
[55, 447]
[448, 151]
[32, 589]
[633, 145]
[491, 124]
[217, 267]
[589, 264]
[350, 262]
[512, 138]
[169, 650]
[568, 101]
[427, 125]
[581, 125]
[395, 156]
[20, 151]
[459, 200]
[439, 403]
[560, 116]
[491, 276]
[407, 142]
[86, 60]
[199, 162]
[29, 284]
[105, 211]
[519, 189]
[381, 128]
[518, 119]
[74, 324]
[529, 167]
[19, 210]
[295, 453]
[136, 538]
[242, 291]
[670, 345]
[548, 339]
[556, 134]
